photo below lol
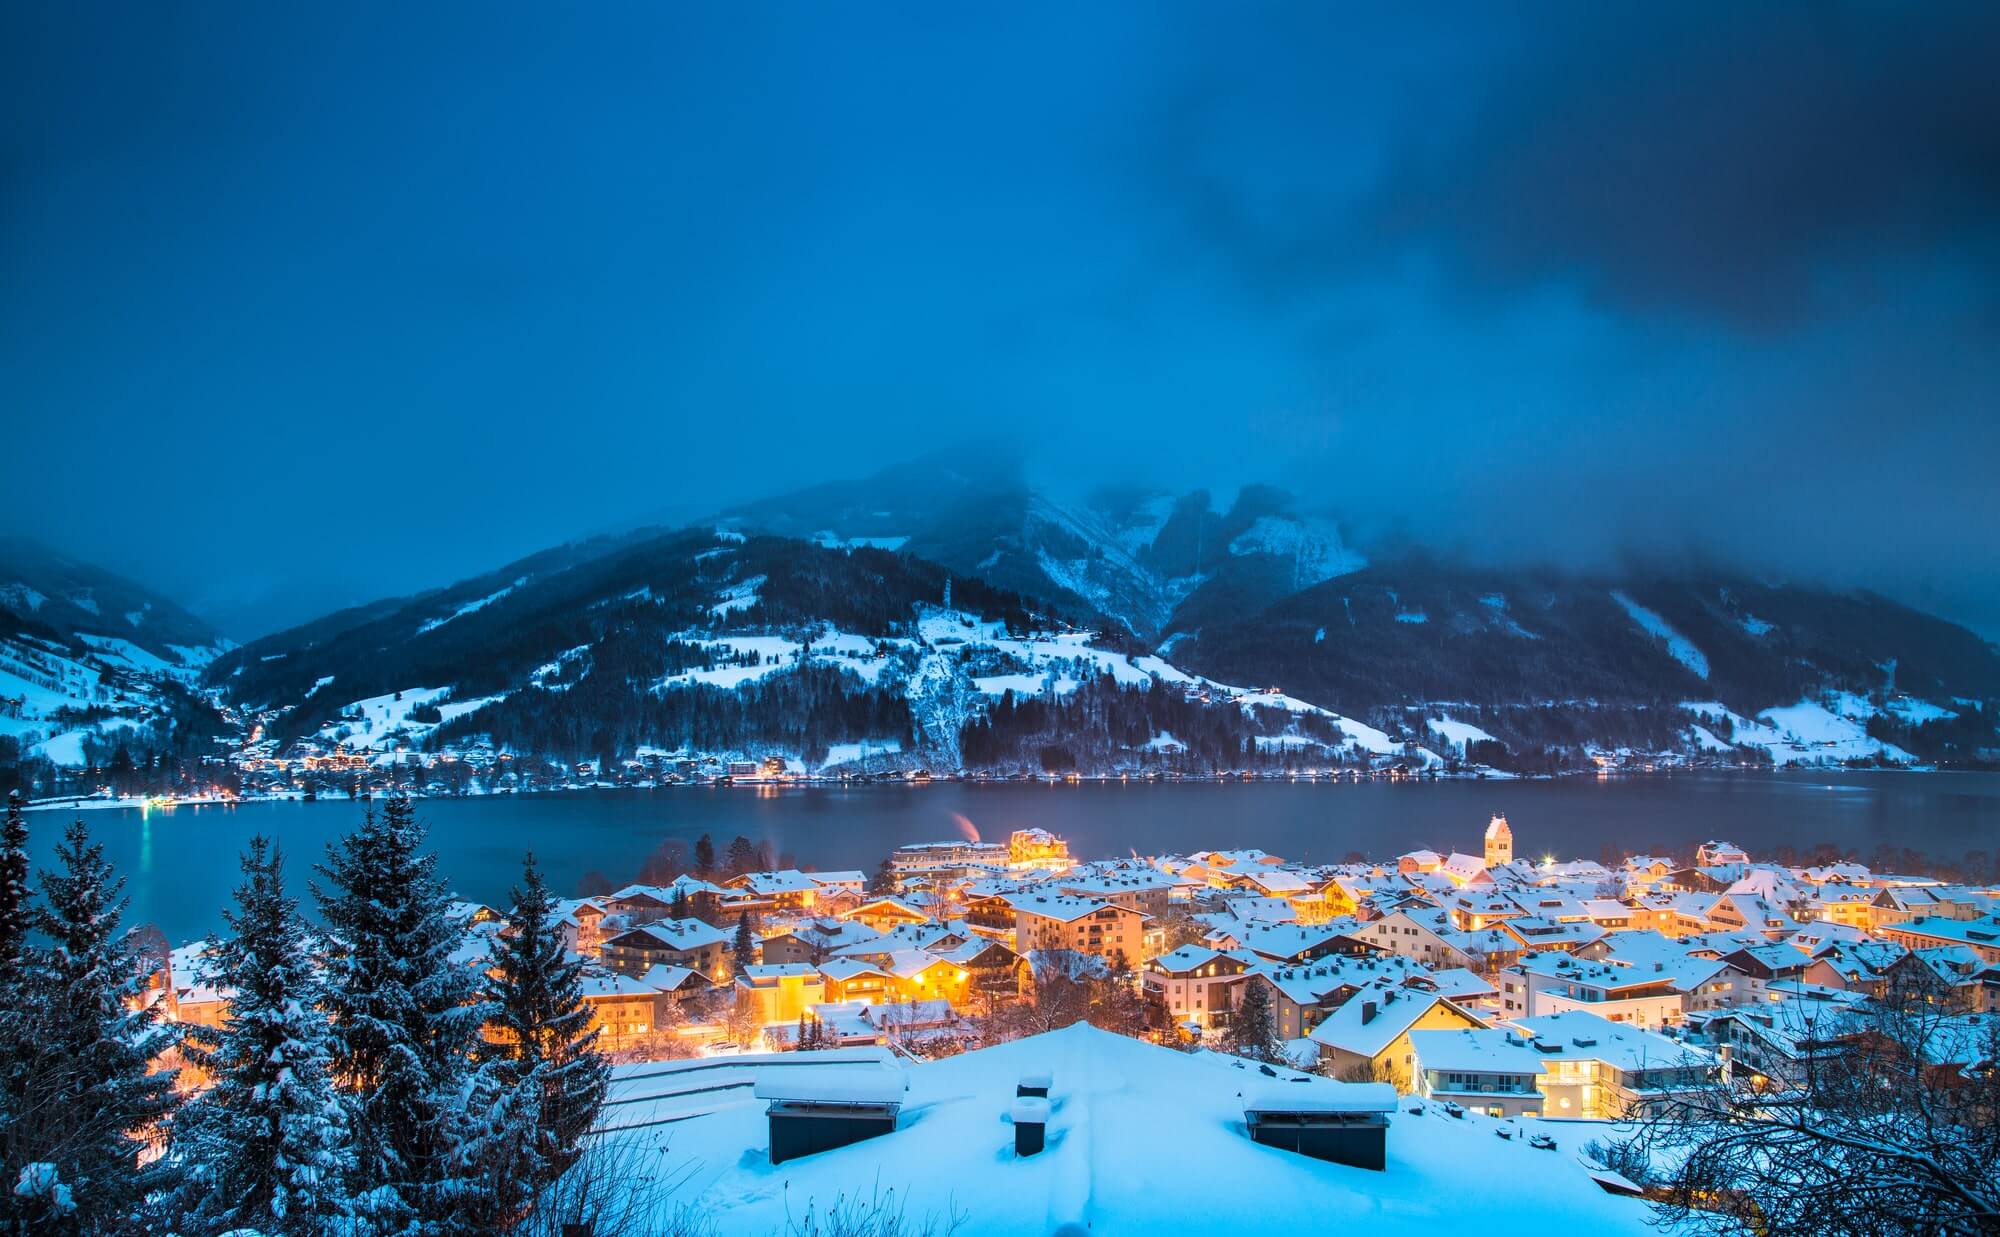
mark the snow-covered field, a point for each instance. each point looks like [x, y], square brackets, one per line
[382, 722]
[1805, 733]
[1140, 1139]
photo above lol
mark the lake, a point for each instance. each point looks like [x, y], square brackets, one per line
[180, 864]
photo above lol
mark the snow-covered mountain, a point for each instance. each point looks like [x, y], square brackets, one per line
[711, 642]
[1548, 662]
[88, 658]
[1153, 561]
[948, 615]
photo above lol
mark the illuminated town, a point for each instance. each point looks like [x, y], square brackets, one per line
[1532, 998]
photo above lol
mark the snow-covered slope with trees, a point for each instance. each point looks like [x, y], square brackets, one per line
[91, 663]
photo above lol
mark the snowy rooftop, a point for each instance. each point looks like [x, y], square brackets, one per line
[1131, 1126]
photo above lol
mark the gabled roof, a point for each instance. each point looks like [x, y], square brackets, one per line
[771, 884]
[675, 934]
[1372, 1018]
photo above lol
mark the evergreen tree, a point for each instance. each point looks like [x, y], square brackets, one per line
[13, 889]
[885, 880]
[679, 908]
[704, 857]
[79, 1101]
[742, 856]
[406, 1020]
[269, 1143]
[545, 1067]
[1253, 1031]
[746, 944]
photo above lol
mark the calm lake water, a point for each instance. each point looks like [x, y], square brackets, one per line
[180, 864]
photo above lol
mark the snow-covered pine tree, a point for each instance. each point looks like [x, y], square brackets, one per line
[13, 889]
[886, 880]
[80, 1102]
[544, 1079]
[1253, 1030]
[744, 947]
[268, 1146]
[406, 1019]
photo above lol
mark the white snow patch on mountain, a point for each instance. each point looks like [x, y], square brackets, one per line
[853, 753]
[379, 722]
[1316, 552]
[1756, 626]
[738, 596]
[1678, 646]
[1073, 574]
[1460, 735]
[1913, 712]
[826, 539]
[1146, 522]
[1705, 739]
[19, 596]
[1497, 604]
[470, 607]
[1806, 733]
[1412, 616]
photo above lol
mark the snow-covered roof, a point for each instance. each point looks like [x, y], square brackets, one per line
[1371, 1019]
[1493, 1050]
[1581, 1035]
[1165, 1120]
[675, 934]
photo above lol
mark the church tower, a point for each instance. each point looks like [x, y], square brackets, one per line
[1499, 842]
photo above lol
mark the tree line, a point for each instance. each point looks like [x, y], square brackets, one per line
[364, 1082]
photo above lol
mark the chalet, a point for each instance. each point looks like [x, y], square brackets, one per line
[884, 913]
[1466, 871]
[1763, 967]
[581, 922]
[1303, 994]
[1747, 912]
[1368, 1037]
[1592, 1067]
[895, 975]
[1194, 984]
[815, 940]
[1143, 888]
[1493, 1070]
[782, 991]
[1415, 935]
[1086, 925]
[993, 970]
[624, 1010]
[1951, 975]
[1538, 935]
[1981, 936]
[1716, 854]
[1474, 910]
[1659, 993]
[785, 890]
[672, 942]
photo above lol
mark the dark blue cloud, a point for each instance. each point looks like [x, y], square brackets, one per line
[340, 301]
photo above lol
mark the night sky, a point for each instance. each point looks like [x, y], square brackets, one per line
[303, 307]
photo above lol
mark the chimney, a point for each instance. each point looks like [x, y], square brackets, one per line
[1367, 1012]
[1031, 1125]
[1034, 1083]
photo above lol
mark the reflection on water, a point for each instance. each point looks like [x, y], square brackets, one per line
[182, 878]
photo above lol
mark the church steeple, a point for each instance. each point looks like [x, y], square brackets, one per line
[1499, 842]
